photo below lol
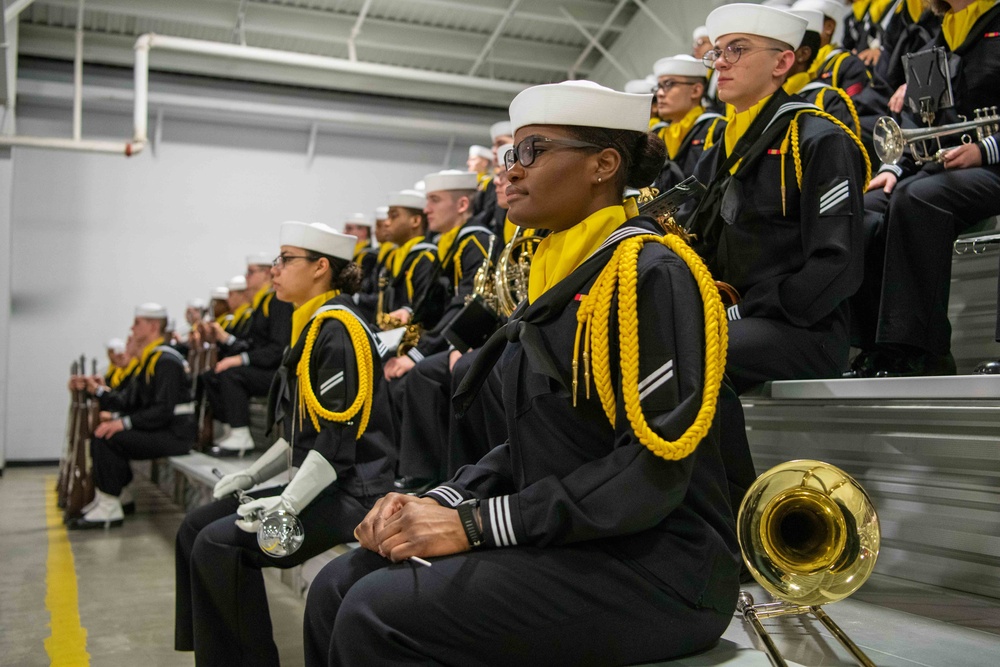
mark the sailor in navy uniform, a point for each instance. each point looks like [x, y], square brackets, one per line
[329, 401]
[572, 536]
[156, 418]
[782, 220]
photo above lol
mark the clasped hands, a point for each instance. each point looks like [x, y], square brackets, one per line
[401, 526]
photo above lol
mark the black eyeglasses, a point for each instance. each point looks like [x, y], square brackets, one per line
[665, 86]
[732, 53]
[527, 150]
[280, 261]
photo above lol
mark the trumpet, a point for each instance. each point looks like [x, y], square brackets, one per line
[891, 141]
[809, 535]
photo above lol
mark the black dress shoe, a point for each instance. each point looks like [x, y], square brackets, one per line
[988, 368]
[914, 364]
[864, 365]
[83, 524]
[413, 484]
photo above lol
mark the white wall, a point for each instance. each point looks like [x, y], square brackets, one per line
[93, 235]
[6, 207]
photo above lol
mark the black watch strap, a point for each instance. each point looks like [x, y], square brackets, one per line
[466, 512]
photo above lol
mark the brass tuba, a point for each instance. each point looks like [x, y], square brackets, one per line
[809, 535]
[891, 141]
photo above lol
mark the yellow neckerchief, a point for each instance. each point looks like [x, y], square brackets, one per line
[359, 247]
[653, 122]
[673, 135]
[384, 250]
[860, 7]
[878, 8]
[221, 320]
[738, 125]
[821, 56]
[146, 353]
[913, 7]
[796, 82]
[259, 296]
[445, 242]
[241, 313]
[304, 313]
[508, 230]
[401, 253]
[560, 253]
[122, 373]
[956, 25]
[483, 180]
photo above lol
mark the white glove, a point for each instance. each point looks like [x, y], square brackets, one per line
[313, 476]
[273, 461]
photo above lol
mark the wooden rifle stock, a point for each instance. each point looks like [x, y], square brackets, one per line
[65, 465]
[209, 357]
[80, 488]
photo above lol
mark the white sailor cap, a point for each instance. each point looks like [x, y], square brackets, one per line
[220, 293]
[476, 150]
[197, 303]
[814, 18]
[153, 311]
[381, 212]
[581, 103]
[698, 33]
[638, 86]
[360, 219]
[319, 238]
[237, 284]
[116, 345]
[451, 179]
[408, 199]
[501, 129]
[679, 65]
[259, 259]
[831, 9]
[780, 4]
[501, 152]
[758, 20]
[420, 186]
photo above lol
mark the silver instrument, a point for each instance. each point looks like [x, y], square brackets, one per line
[891, 141]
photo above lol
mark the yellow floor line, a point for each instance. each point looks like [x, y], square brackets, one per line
[67, 645]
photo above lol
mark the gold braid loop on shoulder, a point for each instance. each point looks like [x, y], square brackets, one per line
[593, 320]
[309, 402]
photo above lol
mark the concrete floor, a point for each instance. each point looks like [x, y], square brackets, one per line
[125, 578]
[126, 597]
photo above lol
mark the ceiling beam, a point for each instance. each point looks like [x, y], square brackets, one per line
[597, 38]
[501, 24]
[597, 44]
[14, 9]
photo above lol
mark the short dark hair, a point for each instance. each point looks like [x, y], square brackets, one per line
[642, 153]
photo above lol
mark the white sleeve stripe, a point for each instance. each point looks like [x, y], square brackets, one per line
[834, 191]
[491, 508]
[416, 355]
[510, 524]
[447, 494]
[655, 374]
[328, 387]
[992, 154]
[826, 207]
[655, 385]
[733, 313]
[333, 380]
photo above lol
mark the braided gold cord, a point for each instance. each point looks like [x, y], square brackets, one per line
[595, 310]
[857, 142]
[363, 401]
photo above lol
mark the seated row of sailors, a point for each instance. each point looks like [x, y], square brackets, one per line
[592, 446]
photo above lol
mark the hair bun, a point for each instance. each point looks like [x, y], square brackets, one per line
[649, 155]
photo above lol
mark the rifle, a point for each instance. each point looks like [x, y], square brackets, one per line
[64, 463]
[209, 356]
[80, 487]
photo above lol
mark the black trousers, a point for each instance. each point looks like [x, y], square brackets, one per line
[904, 297]
[573, 605]
[397, 395]
[111, 456]
[221, 605]
[483, 427]
[763, 349]
[230, 391]
[424, 407]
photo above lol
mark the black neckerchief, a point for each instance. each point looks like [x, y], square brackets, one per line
[522, 326]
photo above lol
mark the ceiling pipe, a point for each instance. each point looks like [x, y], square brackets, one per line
[149, 41]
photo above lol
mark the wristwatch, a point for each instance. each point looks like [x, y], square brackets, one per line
[467, 513]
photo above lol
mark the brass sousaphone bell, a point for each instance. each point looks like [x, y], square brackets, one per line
[809, 536]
